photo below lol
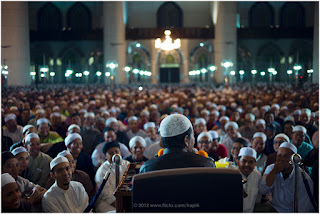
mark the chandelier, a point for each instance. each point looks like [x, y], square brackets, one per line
[167, 44]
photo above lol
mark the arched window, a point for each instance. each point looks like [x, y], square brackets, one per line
[261, 15]
[79, 17]
[169, 14]
[49, 18]
[292, 15]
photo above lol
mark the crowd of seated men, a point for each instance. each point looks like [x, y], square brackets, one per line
[58, 142]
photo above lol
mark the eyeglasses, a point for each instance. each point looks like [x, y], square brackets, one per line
[238, 148]
[206, 142]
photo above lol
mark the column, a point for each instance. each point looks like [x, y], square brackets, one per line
[114, 46]
[315, 77]
[15, 44]
[184, 71]
[225, 41]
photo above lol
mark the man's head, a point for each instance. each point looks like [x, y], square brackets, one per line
[150, 129]
[144, 116]
[249, 120]
[215, 140]
[176, 131]
[279, 139]
[246, 160]
[61, 172]
[76, 119]
[55, 119]
[113, 123]
[43, 127]
[74, 144]
[236, 146]
[28, 129]
[22, 156]
[288, 127]
[260, 125]
[305, 116]
[40, 113]
[232, 129]
[10, 164]
[296, 115]
[73, 128]
[223, 120]
[109, 149]
[89, 119]
[299, 135]
[285, 151]
[259, 141]
[68, 155]
[100, 124]
[32, 142]
[204, 140]
[214, 115]
[10, 122]
[200, 125]
[109, 134]
[10, 192]
[133, 123]
[137, 146]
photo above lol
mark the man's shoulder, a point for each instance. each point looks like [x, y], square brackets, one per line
[44, 156]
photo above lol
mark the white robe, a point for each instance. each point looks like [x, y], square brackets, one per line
[106, 198]
[73, 200]
[252, 189]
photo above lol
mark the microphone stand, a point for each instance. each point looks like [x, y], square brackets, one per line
[296, 161]
[116, 159]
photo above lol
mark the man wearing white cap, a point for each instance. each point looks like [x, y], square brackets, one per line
[134, 129]
[90, 135]
[248, 130]
[232, 134]
[259, 144]
[306, 121]
[178, 139]
[121, 136]
[296, 115]
[260, 125]
[57, 125]
[22, 156]
[222, 132]
[11, 129]
[11, 196]
[246, 163]
[199, 127]
[204, 143]
[64, 196]
[151, 131]
[215, 147]
[298, 139]
[212, 123]
[38, 161]
[137, 147]
[279, 180]
[47, 137]
[40, 113]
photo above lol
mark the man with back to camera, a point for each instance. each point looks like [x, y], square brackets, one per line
[178, 139]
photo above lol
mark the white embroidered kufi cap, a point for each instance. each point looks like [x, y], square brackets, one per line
[63, 153]
[19, 150]
[6, 178]
[10, 117]
[72, 137]
[231, 123]
[174, 125]
[299, 128]
[224, 118]
[284, 136]
[42, 120]
[136, 139]
[247, 151]
[199, 121]
[73, 126]
[260, 134]
[58, 160]
[132, 118]
[289, 146]
[25, 128]
[148, 125]
[214, 134]
[202, 134]
[111, 120]
[30, 136]
[250, 117]
[260, 121]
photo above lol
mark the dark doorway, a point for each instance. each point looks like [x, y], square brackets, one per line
[169, 75]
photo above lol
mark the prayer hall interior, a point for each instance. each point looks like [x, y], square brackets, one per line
[155, 106]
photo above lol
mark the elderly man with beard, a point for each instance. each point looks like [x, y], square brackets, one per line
[279, 180]
[11, 129]
[64, 196]
[246, 164]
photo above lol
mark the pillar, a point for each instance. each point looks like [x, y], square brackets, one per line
[184, 70]
[15, 44]
[315, 78]
[114, 41]
[225, 41]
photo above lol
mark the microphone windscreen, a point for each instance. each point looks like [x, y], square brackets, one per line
[160, 152]
[202, 153]
[116, 159]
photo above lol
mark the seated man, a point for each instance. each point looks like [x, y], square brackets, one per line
[216, 147]
[106, 201]
[279, 180]
[39, 163]
[22, 156]
[298, 139]
[246, 164]
[151, 131]
[64, 196]
[11, 129]
[134, 129]
[178, 139]
[204, 143]
[137, 147]
[258, 144]
[235, 149]
[11, 196]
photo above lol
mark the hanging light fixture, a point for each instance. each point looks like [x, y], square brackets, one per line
[167, 44]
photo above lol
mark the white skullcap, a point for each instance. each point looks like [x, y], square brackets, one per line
[145, 112]
[299, 128]
[111, 120]
[214, 134]
[250, 117]
[154, 106]
[221, 107]
[73, 126]
[233, 105]
[63, 153]
[56, 114]
[247, 151]
[231, 123]
[92, 102]
[202, 134]
[30, 136]
[13, 108]
[132, 118]
[284, 136]
[148, 125]
[112, 110]
[260, 134]
[82, 111]
[289, 146]
[42, 120]
[224, 118]
[55, 108]
[89, 114]
[10, 117]
[284, 108]
[58, 160]
[6, 178]
[40, 111]
[205, 111]
[19, 150]
[174, 125]
[200, 120]
[276, 106]
[25, 128]
[72, 137]
[297, 112]
[215, 112]
[136, 139]
[260, 121]
[240, 110]
[306, 111]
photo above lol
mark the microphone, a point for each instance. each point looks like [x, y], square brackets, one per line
[117, 159]
[295, 159]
